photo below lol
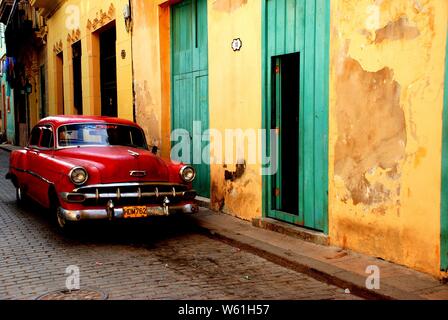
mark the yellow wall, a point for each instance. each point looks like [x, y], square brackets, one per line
[386, 101]
[234, 92]
[235, 98]
[152, 71]
[94, 14]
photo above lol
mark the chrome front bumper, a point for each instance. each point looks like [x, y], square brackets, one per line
[109, 213]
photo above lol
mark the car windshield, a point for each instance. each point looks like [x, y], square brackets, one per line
[76, 135]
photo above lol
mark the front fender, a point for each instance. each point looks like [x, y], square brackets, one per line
[62, 182]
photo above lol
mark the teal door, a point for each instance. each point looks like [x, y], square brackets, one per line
[296, 44]
[189, 47]
[444, 195]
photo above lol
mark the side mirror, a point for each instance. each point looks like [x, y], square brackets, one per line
[155, 150]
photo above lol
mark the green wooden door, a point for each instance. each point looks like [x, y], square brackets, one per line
[189, 47]
[444, 193]
[299, 28]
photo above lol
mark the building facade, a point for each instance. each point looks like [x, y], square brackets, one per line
[89, 55]
[354, 91]
[328, 115]
[25, 36]
[7, 93]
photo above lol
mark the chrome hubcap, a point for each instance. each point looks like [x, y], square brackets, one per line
[19, 194]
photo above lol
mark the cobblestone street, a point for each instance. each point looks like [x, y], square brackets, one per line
[160, 259]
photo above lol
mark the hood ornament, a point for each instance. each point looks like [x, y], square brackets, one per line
[134, 154]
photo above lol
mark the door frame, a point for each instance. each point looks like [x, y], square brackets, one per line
[322, 32]
[444, 186]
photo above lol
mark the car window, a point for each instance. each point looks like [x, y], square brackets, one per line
[35, 137]
[47, 139]
[101, 135]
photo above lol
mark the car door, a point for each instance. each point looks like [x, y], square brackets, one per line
[32, 182]
[39, 164]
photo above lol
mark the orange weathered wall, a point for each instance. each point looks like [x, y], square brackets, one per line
[386, 102]
[151, 54]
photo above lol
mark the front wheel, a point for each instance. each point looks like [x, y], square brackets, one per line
[64, 226]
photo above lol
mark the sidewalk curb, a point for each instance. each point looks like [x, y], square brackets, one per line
[306, 265]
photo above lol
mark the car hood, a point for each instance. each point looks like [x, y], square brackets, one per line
[115, 163]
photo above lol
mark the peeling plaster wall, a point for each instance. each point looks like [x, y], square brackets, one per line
[386, 102]
[235, 100]
[150, 60]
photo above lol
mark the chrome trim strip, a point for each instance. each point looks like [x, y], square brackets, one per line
[33, 174]
[138, 174]
[134, 154]
[129, 184]
[39, 177]
[101, 214]
[118, 196]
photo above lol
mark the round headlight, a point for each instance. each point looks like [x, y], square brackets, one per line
[187, 174]
[78, 175]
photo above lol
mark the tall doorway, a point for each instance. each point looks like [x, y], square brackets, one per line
[60, 101]
[189, 47]
[108, 67]
[285, 120]
[77, 77]
[43, 92]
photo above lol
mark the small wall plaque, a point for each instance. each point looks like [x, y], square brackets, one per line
[237, 44]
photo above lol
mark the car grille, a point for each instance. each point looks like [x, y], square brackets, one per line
[130, 193]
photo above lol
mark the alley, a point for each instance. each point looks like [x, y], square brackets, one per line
[164, 259]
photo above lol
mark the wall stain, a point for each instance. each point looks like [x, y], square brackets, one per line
[397, 30]
[235, 196]
[371, 133]
[228, 5]
[237, 174]
[419, 155]
[147, 119]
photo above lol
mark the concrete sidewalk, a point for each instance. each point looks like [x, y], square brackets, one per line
[339, 267]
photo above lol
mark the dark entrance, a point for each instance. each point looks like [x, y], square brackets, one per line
[77, 77]
[43, 92]
[285, 120]
[60, 104]
[108, 65]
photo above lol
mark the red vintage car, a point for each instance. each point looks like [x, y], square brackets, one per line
[93, 168]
